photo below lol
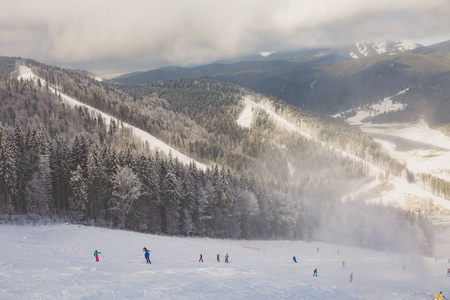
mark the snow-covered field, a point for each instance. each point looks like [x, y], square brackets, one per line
[57, 262]
[154, 143]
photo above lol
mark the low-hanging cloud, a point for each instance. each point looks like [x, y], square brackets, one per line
[119, 36]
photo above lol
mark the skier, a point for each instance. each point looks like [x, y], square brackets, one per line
[201, 258]
[294, 259]
[226, 258]
[351, 277]
[315, 272]
[448, 272]
[343, 264]
[317, 249]
[147, 256]
[439, 296]
[218, 257]
[96, 253]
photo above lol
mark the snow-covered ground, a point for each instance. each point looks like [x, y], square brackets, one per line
[57, 262]
[25, 73]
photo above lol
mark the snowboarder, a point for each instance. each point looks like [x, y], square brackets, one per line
[96, 253]
[351, 277]
[201, 258]
[218, 257]
[315, 272]
[226, 258]
[294, 259]
[448, 272]
[343, 264]
[439, 296]
[147, 256]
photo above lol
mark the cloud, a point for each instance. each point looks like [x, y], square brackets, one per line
[120, 35]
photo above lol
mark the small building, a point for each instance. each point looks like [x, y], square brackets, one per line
[418, 204]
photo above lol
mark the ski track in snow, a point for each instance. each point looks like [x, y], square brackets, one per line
[246, 117]
[52, 264]
[155, 144]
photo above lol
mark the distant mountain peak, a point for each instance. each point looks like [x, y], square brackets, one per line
[266, 53]
[366, 49]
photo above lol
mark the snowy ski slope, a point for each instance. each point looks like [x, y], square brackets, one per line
[57, 262]
[25, 73]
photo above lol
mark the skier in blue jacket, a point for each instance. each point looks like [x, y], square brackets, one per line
[96, 253]
[147, 256]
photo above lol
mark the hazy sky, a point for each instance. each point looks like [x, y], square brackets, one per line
[109, 37]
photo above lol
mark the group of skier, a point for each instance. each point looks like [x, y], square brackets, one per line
[218, 257]
[439, 296]
[147, 256]
[315, 270]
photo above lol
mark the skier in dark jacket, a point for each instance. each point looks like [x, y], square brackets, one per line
[315, 272]
[226, 258]
[218, 257]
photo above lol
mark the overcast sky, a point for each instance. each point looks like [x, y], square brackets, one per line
[110, 37]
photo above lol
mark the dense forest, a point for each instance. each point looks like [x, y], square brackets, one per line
[63, 162]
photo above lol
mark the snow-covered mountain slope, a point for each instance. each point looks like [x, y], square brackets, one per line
[421, 148]
[57, 262]
[246, 117]
[366, 49]
[400, 188]
[154, 143]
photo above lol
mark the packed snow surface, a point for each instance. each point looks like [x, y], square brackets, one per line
[57, 262]
[154, 143]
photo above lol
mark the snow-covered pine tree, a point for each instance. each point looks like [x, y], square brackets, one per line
[170, 197]
[126, 191]
[59, 164]
[41, 200]
[8, 174]
[79, 199]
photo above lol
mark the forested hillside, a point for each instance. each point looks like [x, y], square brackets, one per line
[428, 99]
[266, 182]
[322, 86]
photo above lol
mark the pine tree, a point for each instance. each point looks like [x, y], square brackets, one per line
[41, 200]
[126, 191]
[22, 167]
[8, 174]
[170, 197]
[59, 164]
[78, 202]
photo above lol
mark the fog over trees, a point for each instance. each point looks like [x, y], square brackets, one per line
[65, 163]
